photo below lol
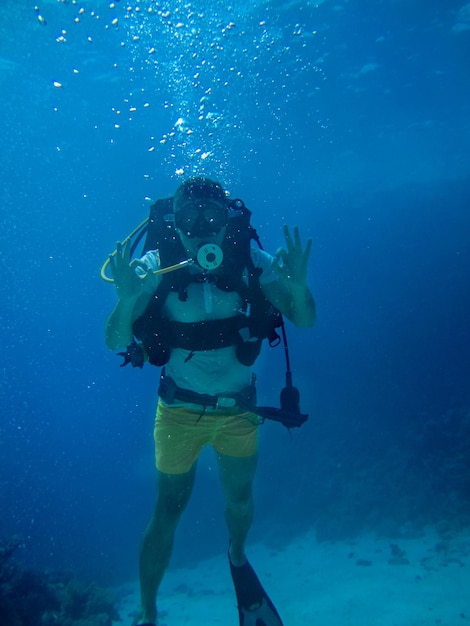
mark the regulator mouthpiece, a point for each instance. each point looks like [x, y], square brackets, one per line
[210, 256]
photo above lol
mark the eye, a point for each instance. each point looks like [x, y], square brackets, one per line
[186, 216]
[214, 214]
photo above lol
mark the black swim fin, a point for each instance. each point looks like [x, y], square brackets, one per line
[254, 605]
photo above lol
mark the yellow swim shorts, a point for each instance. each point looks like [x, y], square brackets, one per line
[180, 434]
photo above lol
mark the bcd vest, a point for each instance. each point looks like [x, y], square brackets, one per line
[257, 318]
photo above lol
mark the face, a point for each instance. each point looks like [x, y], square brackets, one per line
[200, 218]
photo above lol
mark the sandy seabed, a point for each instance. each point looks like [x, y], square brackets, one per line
[367, 581]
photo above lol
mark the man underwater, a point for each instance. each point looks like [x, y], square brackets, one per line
[205, 323]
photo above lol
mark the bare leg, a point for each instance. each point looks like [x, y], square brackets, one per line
[174, 491]
[237, 475]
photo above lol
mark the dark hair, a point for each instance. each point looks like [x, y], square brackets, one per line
[200, 188]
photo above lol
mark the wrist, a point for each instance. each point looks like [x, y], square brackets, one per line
[298, 287]
[130, 295]
[128, 300]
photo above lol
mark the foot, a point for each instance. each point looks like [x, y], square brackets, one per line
[143, 621]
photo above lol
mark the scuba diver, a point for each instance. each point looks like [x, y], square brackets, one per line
[199, 303]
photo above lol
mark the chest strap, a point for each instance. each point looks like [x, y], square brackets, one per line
[207, 334]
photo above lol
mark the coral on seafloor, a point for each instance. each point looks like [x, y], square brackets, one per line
[30, 598]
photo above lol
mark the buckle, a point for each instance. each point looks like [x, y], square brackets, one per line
[225, 402]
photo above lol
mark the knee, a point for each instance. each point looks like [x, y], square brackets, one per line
[239, 502]
[170, 506]
[174, 492]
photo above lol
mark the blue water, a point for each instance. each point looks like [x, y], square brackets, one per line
[350, 119]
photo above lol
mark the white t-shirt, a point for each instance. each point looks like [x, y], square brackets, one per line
[215, 371]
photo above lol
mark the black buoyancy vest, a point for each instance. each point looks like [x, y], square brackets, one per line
[257, 320]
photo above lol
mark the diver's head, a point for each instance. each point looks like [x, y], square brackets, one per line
[200, 207]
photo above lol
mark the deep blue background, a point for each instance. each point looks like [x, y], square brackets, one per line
[350, 119]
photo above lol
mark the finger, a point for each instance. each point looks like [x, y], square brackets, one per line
[287, 235]
[123, 252]
[280, 254]
[112, 264]
[308, 248]
[126, 256]
[278, 261]
[137, 263]
[298, 243]
[122, 248]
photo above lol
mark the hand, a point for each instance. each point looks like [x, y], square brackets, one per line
[126, 281]
[291, 264]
